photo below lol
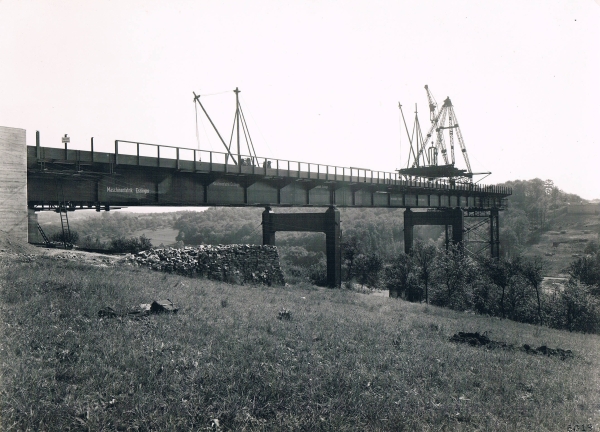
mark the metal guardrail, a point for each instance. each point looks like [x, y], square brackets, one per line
[162, 156]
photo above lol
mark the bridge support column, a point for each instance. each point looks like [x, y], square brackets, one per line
[445, 217]
[267, 227]
[327, 223]
[333, 241]
[458, 226]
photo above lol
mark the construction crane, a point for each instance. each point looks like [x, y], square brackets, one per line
[424, 162]
[432, 104]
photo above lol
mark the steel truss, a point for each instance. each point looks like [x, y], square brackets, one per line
[482, 232]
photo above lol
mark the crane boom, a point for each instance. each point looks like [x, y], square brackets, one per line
[432, 104]
[438, 144]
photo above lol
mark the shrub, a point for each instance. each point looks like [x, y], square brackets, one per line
[486, 298]
[317, 273]
[131, 245]
[89, 243]
[575, 308]
[71, 237]
[586, 269]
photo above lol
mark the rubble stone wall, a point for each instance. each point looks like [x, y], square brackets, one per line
[230, 263]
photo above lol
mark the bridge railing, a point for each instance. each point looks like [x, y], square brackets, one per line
[163, 156]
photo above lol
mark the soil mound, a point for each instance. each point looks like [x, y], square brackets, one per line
[476, 339]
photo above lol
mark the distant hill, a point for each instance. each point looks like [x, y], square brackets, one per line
[537, 222]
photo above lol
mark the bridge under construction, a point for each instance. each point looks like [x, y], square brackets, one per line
[38, 178]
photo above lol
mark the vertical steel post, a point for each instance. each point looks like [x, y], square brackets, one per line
[38, 151]
[237, 120]
[267, 226]
[333, 241]
[458, 227]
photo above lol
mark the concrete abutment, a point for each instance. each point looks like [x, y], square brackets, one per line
[13, 183]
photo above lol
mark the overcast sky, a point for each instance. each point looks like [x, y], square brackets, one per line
[320, 80]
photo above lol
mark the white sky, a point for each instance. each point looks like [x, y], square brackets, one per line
[320, 80]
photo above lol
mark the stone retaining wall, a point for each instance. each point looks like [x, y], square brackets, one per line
[230, 263]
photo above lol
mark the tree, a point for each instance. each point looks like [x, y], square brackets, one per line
[398, 275]
[368, 269]
[424, 256]
[453, 270]
[532, 272]
[350, 251]
[499, 272]
[586, 270]
[576, 309]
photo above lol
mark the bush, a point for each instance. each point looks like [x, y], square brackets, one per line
[575, 308]
[71, 237]
[89, 243]
[486, 298]
[130, 245]
[586, 269]
[317, 273]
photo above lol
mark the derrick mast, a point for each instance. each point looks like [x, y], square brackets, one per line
[440, 138]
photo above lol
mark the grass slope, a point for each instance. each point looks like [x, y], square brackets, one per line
[345, 361]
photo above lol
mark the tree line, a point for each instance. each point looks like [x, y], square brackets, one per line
[507, 288]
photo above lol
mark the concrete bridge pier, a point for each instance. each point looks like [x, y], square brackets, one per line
[13, 183]
[328, 223]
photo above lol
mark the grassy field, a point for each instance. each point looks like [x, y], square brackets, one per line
[344, 361]
[165, 236]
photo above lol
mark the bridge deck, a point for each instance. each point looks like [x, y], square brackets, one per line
[146, 174]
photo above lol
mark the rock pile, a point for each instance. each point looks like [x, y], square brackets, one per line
[230, 263]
